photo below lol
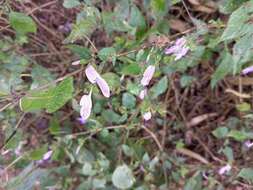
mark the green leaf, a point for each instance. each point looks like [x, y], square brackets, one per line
[86, 23]
[159, 88]
[243, 107]
[128, 100]
[70, 3]
[228, 6]
[131, 69]
[247, 174]
[26, 179]
[159, 8]
[136, 18]
[122, 177]
[238, 24]
[111, 117]
[194, 183]
[108, 54]
[38, 153]
[54, 126]
[220, 132]
[112, 79]
[186, 80]
[22, 23]
[240, 135]
[40, 76]
[82, 52]
[225, 67]
[52, 99]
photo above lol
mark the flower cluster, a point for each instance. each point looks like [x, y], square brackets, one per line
[146, 78]
[179, 49]
[86, 102]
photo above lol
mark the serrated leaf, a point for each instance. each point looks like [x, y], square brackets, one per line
[86, 23]
[159, 8]
[82, 52]
[225, 67]
[159, 88]
[52, 99]
[70, 3]
[22, 23]
[247, 174]
[220, 132]
[128, 100]
[240, 135]
[122, 177]
[131, 69]
[238, 24]
[108, 54]
[136, 18]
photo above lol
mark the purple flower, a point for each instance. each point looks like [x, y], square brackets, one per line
[104, 87]
[86, 106]
[81, 120]
[94, 77]
[225, 169]
[143, 93]
[248, 144]
[91, 74]
[147, 75]
[247, 70]
[179, 49]
[147, 116]
[45, 157]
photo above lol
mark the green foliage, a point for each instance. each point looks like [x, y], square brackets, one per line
[51, 99]
[246, 174]
[22, 23]
[122, 177]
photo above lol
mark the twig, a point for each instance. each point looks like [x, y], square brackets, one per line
[154, 137]
[192, 154]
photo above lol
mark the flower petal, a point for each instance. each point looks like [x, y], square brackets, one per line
[86, 106]
[147, 116]
[143, 93]
[75, 63]
[247, 70]
[104, 87]
[147, 75]
[91, 74]
[224, 169]
[86, 100]
[85, 112]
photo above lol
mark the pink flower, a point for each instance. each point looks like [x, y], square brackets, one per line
[147, 116]
[94, 77]
[86, 106]
[143, 93]
[247, 70]
[91, 74]
[45, 157]
[225, 169]
[179, 49]
[104, 87]
[147, 75]
[248, 144]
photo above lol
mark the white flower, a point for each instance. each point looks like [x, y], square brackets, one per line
[179, 49]
[147, 75]
[75, 63]
[86, 106]
[94, 77]
[143, 93]
[225, 169]
[104, 87]
[147, 116]
[91, 74]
